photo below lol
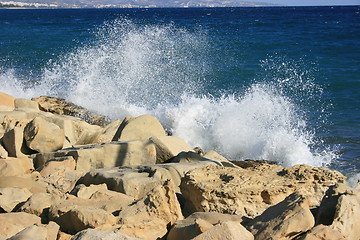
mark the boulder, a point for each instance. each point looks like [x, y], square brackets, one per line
[346, 218]
[62, 107]
[22, 182]
[26, 104]
[197, 223]
[39, 204]
[13, 141]
[139, 128]
[79, 218]
[12, 223]
[38, 232]
[284, 220]
[321, 232]
[250, 191]
[168, 147]
[226, 230]
[75, 214]
[107, 133]
[137, 181]
[93, 234]
[15, 166]
[150, 217]
[53, 165]
[61, 181]
[43, 136]
[10, 197]
[82, 191]
[7, 100]
[105, 155]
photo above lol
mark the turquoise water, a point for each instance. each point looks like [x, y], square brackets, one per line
[275, 83]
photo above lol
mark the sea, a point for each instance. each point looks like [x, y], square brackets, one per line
[266, 83]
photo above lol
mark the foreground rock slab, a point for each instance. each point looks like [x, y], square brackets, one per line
[93, 234]
[248, 192]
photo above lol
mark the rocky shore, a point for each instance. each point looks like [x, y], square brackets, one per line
[68, 173]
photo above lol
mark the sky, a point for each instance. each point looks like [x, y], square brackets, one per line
[310, 2]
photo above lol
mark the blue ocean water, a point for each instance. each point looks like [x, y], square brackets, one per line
[274, 83]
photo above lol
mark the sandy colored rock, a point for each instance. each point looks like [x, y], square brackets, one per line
[85, 192]
[3, 152]
[284, 220]
[22, 182]
[61, 181]
[346, 219]
[75, 214]
[7, 100]
[93, 234]
[79, 218]
[12, 223]
[322, 232]
[39, 204]
[43, 136]
[52, 165]
[137, 181]
[64, 236]
[139, 128]
[168, 147]
[106, 134]
[62, 107]
[226, 230]
[10, 197]
[38, 232]
[250, 191]
[13, 141]
[15, 166]
[28, 105]
[105, 155]
[197, 223]
[150, 216]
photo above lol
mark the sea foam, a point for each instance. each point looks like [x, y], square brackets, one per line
[130, 69]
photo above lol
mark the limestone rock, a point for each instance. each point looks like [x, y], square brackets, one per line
[346, 219]
[15, 166]
[79, 218]
[13, 142]
[226, 230]
[250, 191]
[326, 212]
[12, 223]
[39, 204]
[168, 147]
[3, 152]
[53, 165]
[75, 214]
[93, 234]
[82, 191]
[139, 128]
[150, 216]
[106, 134]
[105, 155]
[10, 197]
[21, 103]
[61, 181]
[43, 136]
[137, 181]
[198, 223]
[321, 232]
[22, 182]
[6, 100]
[62, 107]
[284, 220]
[38, 232]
